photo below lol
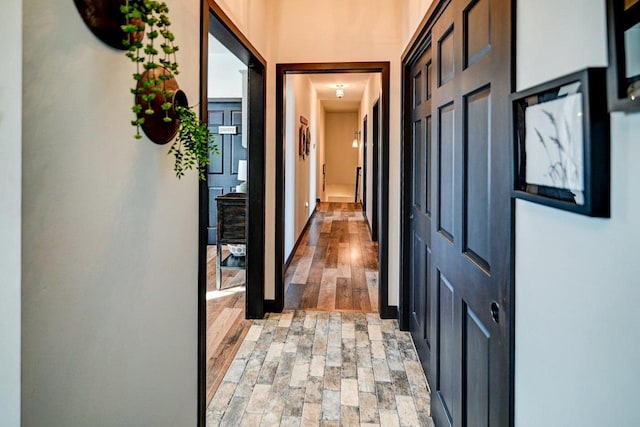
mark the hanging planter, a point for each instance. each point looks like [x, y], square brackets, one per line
[158, 99]
[105, 20]
[161, 109]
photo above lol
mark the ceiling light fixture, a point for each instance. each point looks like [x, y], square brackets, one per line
[339, 91]
[356, 138]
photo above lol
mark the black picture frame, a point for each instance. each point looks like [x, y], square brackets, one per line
[301, 142]
[561, 149]
[623, 27]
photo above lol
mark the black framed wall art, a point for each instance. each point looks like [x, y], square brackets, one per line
[561, 143]
[623, 22]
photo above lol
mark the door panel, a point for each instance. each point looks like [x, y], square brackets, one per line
[460, 281]
[476, 364]
[477, 181]
[446, 384]
[446, 170]
[223, 170]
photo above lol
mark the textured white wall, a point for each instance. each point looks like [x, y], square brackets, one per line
[414, 11]
[110, 238]
[300, 189]
[320, 149]
[371, 94]
[225, 77]
[577, 343]
[340, 157]
[10, 213]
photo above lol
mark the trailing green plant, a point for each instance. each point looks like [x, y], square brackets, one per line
[193, 144]
[152, 19]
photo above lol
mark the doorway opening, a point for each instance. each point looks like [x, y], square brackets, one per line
[282, 168]
[237, 120]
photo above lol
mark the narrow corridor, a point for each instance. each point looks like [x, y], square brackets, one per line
[328, 359]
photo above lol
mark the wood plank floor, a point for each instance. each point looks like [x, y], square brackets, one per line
[313, 368]
[226, 325]
[335, 267]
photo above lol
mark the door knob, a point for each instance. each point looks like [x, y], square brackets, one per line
[495, 312]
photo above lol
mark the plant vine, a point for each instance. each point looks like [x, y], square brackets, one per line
[151, 17]
[193, 144]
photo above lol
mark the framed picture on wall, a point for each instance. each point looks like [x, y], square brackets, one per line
[301, 141]
[307, 140]
[561, 143]
[623, 21]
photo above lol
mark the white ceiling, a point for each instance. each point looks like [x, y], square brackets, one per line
[353, 86]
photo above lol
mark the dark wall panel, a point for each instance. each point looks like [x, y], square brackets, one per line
[476, 366]
[446, 57]
[446, 160]
[477, 31]
[419, 190]
[477, 178]
[446, 349]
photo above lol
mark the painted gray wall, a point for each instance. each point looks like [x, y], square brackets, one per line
[10, 211]
[577, 340]
[109, 236]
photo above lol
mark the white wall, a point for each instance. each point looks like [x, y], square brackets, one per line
[414, 12]
[341, 158]
[110, 237]
[371, 94]
[577, 343]
[320, 150]
[300, 181]
[225, 73]
[10, 212]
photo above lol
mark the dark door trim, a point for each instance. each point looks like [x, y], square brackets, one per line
[216, 22]
[375, 166]
[282, 70]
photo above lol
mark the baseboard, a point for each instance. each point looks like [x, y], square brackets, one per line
[389, 312]
[272, 306]
[304, 229]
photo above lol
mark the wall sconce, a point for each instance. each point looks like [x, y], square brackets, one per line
[242, 176]
[356, 138]
[339, 91]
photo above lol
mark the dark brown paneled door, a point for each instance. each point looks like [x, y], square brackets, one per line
[460, 289]
[222, 176]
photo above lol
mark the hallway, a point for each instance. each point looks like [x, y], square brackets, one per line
[328, 359]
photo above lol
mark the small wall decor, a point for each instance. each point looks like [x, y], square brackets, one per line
[561, 143]
[301, 142]
[304, 138]
[623, 19]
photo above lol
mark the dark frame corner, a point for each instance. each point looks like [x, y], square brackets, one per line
[620, 20]
[595, 170]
